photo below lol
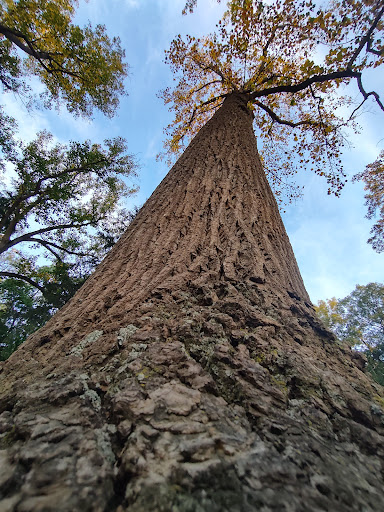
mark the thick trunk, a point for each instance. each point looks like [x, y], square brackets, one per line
[190, 372]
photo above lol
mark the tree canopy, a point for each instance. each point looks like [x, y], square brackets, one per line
[61, 200]
[80, 67]
[373, 179]
[291, 61]
[358, 319]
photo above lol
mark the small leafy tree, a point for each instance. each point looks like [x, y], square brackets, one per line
[329, 312]
[291, 61]
[373, 179]
[80, 67]
[358, 319]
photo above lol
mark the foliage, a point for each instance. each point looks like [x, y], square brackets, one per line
[373, 178]
[60, 201]
[329, 312]
[23, 308]
[358, 319]
[81, 67]
[20, 315]
[290, 60]
[60, 205]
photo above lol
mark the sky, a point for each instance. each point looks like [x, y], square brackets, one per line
[328, 234]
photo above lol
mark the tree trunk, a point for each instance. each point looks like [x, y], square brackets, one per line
[190, 372]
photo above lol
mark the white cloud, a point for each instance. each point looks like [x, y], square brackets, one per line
[132, 4]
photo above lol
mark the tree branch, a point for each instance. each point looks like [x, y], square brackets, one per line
[205, 85]
[27, 236]
[47, 244]
[14, 275]
[15, 35]
[278, 119]
[366, 40]
[208, 102]
[265, 52]
[348, 73]
[214, 69]
[367, 94]
[18, 213]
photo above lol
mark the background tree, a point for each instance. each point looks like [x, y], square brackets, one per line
[80, 67]
[60, 206]
[329, 312]
[358, 319]
[36, 291]
[291, 61]
[20, 314]
[60, 212]
[373, 179]
[60, 197]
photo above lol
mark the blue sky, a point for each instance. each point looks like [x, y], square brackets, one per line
[328, 234]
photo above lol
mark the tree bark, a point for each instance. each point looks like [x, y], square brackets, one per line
[190, 372]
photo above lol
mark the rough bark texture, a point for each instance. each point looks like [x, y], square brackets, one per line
[190, 372]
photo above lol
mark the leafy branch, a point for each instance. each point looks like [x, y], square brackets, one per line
[289, 83]
[63, 199]
[81, 68]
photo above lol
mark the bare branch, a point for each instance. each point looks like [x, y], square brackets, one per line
[367, 94]
[354, 112]
[366, 40]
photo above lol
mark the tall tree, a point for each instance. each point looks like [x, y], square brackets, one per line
[373, 179]
[190, 372]
[80, 67]
[358, 319]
